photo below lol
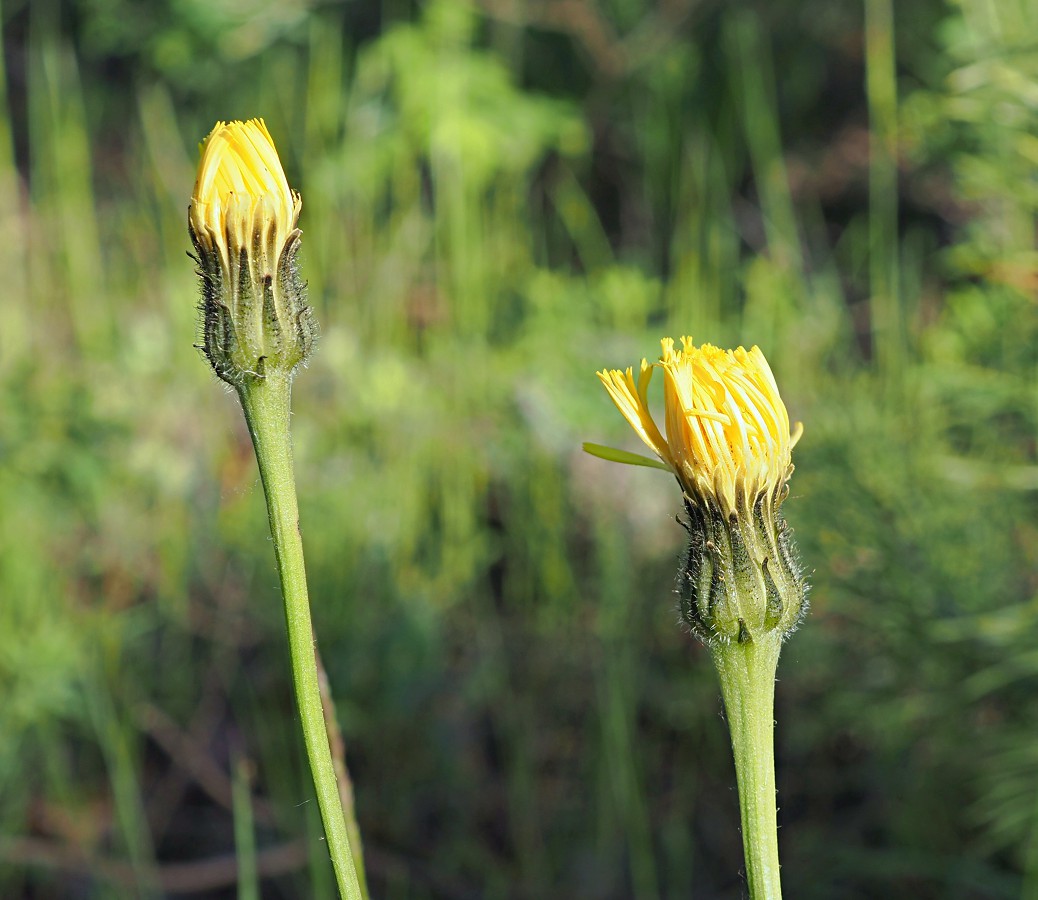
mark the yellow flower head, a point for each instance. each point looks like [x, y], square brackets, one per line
[728, 439]
[242, 220]
[240, 193]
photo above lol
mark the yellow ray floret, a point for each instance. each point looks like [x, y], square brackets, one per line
[241, 193]
[727, 430]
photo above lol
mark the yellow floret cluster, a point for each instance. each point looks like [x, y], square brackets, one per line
[728, 437]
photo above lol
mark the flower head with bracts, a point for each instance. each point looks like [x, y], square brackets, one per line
[242, 220]
[729, 444]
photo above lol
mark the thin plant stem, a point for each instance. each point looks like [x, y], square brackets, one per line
[244, 830]
[884, 271]
[747, 672]
[342, 775]
[266, 402]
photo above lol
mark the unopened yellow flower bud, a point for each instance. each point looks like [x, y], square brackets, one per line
[242, 220]
[728, 442]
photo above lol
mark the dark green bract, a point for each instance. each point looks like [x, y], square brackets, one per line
[259, 320]
[740, 579]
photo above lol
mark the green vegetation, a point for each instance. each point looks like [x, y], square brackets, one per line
[493, 209]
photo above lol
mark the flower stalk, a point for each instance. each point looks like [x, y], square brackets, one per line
[267, 405]
[747, 675]
[257, 330]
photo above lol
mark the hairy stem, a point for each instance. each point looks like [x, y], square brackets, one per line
[747, 672]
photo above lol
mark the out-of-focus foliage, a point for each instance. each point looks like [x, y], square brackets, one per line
[499, 199]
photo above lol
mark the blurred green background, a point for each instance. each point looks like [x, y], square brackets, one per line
[499, 199]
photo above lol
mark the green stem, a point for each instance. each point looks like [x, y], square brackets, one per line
[266, 402]
[342, 774]
[747, 672]
[244, 830]
[884, 274]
